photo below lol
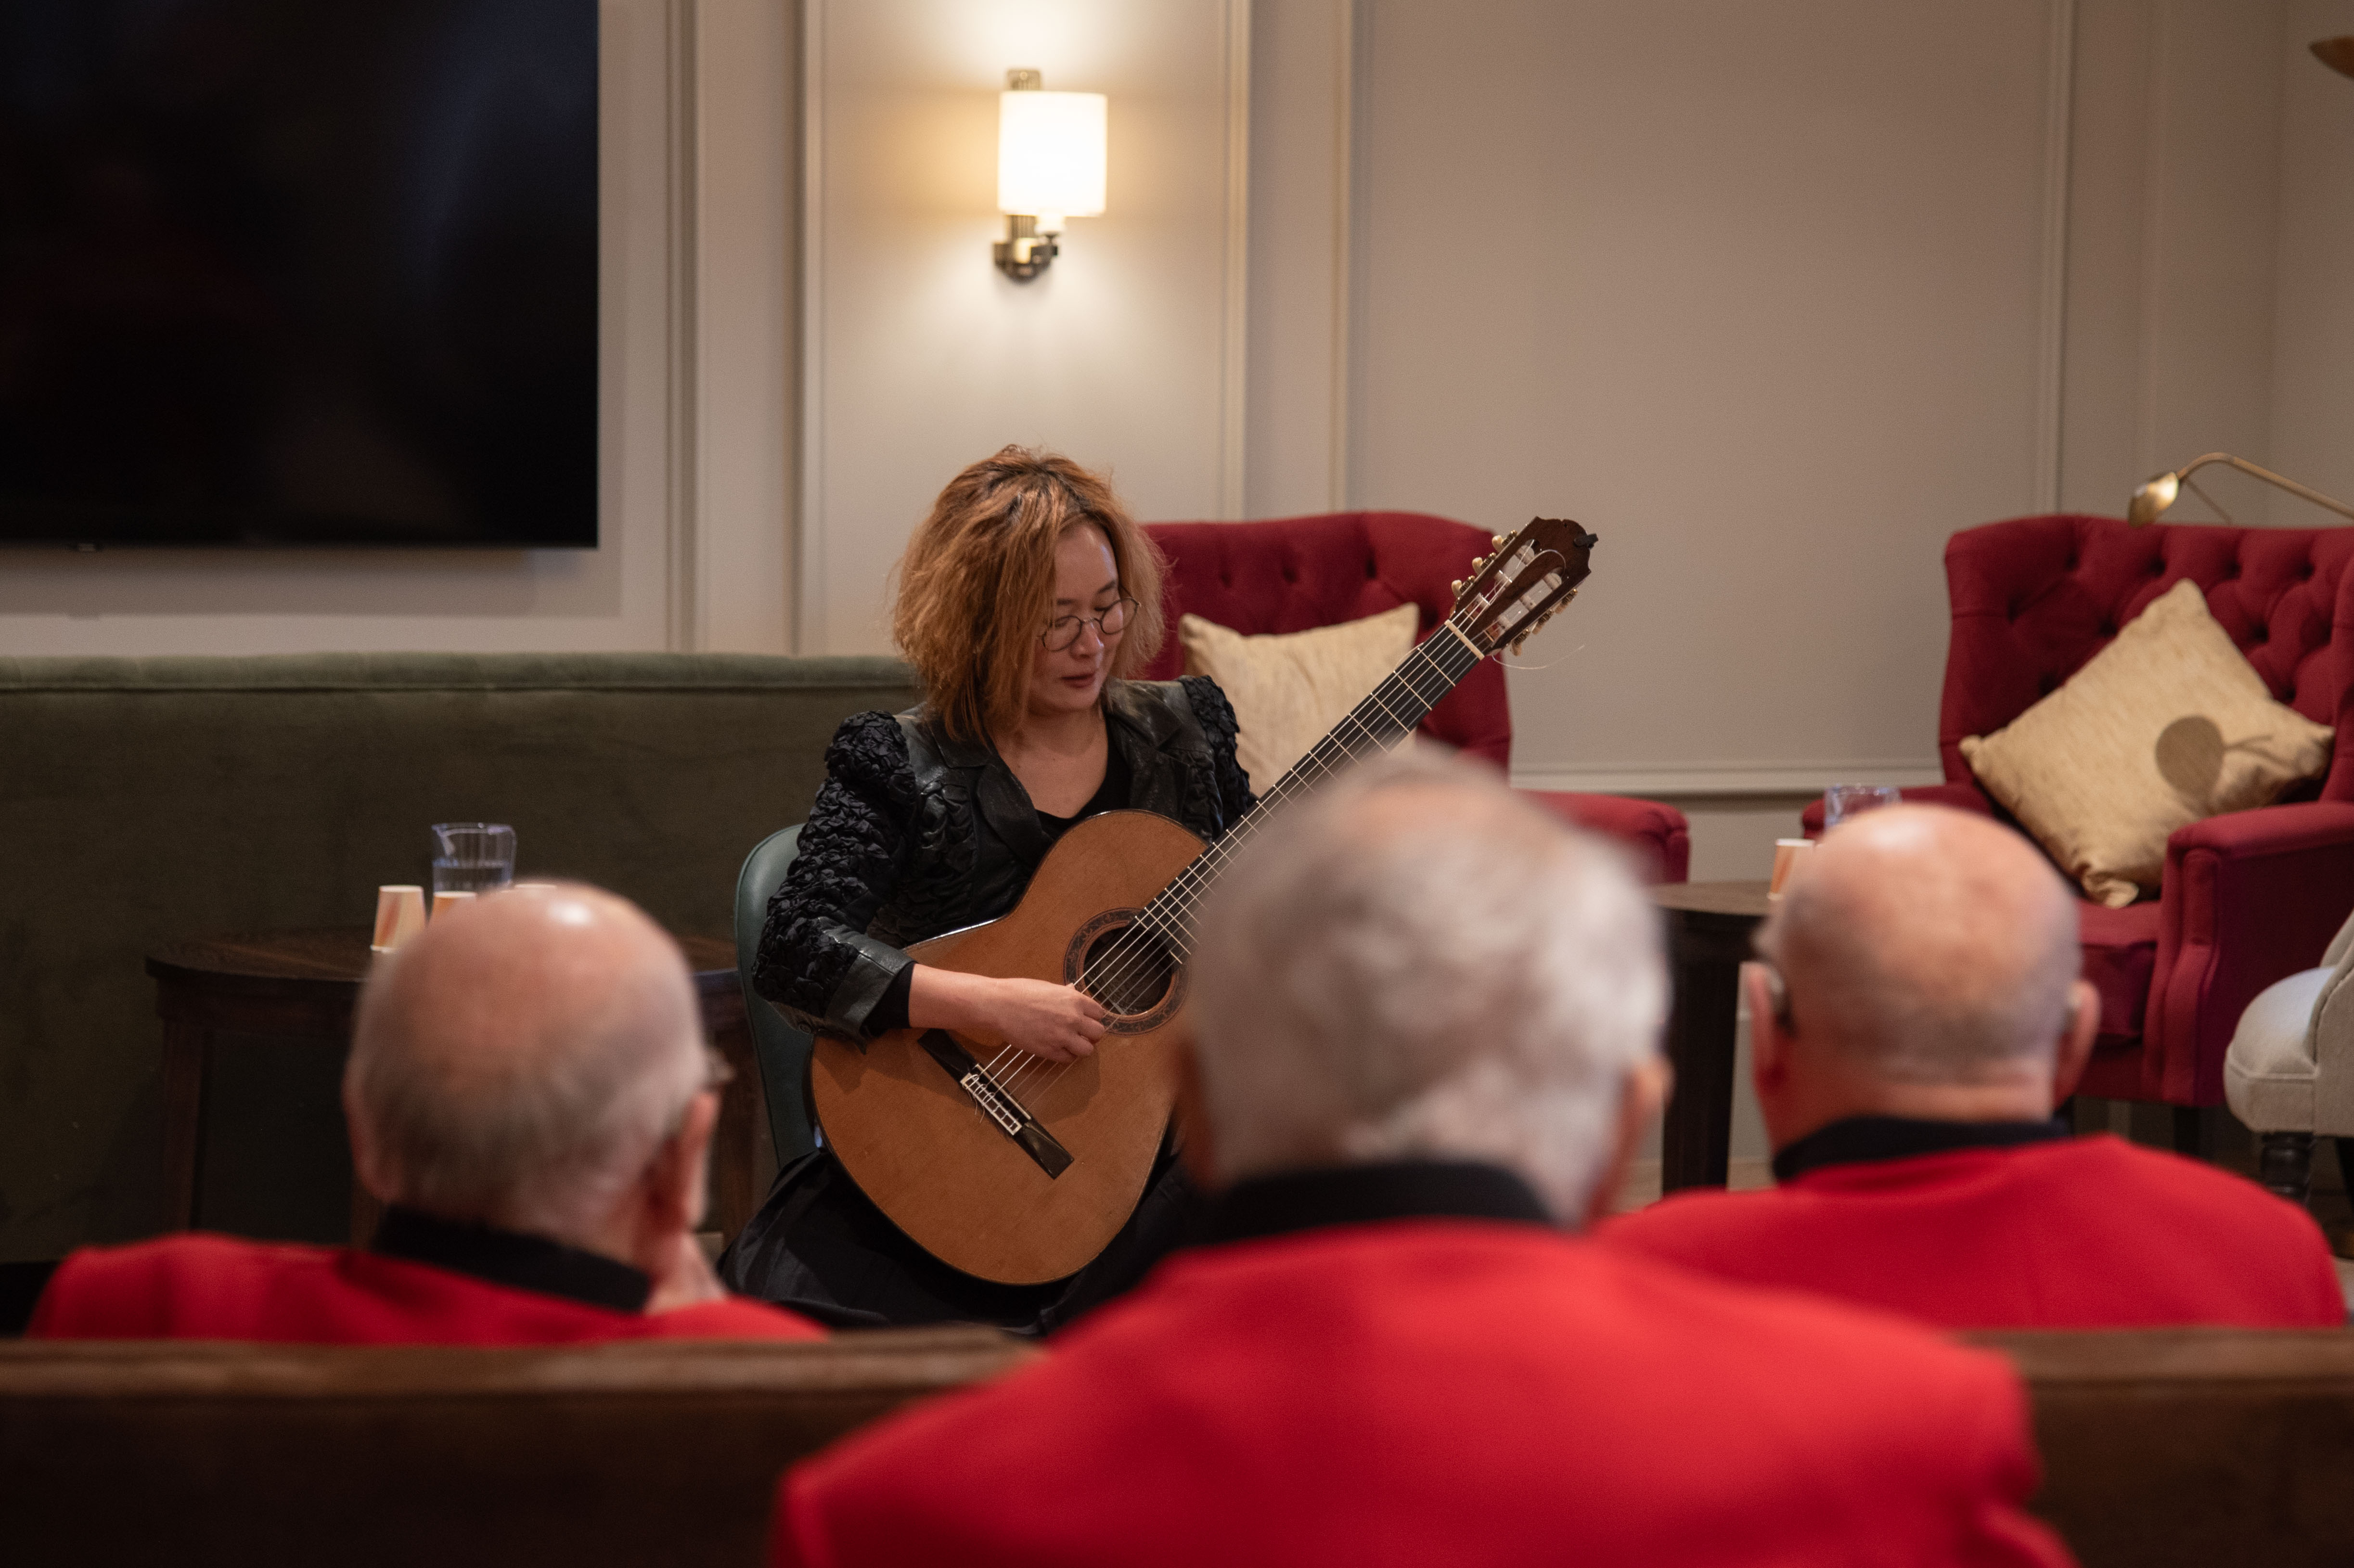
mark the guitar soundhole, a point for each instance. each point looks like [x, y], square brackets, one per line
[1128, 968]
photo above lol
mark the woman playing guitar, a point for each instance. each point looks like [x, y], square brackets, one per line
[1026, 600]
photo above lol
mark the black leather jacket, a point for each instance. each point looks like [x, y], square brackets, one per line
[914, 834]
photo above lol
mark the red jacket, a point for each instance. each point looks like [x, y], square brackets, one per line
[1438, 1391]
[215, 1287]
[2085, 1232]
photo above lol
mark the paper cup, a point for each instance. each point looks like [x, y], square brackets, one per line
[1788, 853]
[399, 915]
[446, 901]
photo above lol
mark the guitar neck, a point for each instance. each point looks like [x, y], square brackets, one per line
[1387, 715]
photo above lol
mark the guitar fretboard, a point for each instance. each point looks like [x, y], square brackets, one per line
[1385, 717]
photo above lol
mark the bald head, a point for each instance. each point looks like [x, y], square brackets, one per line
[1416, 964]
[1928, 945]
[519, 1062]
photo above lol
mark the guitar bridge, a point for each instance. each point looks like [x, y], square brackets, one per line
[992, 1099]
[997, 1105]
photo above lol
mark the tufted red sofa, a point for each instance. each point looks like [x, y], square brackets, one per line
[2247, 898]
[1292, 574]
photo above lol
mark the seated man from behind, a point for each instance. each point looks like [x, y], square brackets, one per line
[1916, 1019]
[529, 1092]
[1427, 1022]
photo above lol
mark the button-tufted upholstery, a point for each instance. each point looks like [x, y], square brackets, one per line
[2247, 898]
[2034, 598]
[1292, 574]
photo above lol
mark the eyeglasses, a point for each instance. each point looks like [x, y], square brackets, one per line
[1064, 630]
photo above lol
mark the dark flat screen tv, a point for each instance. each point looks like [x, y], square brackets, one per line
[298, 272]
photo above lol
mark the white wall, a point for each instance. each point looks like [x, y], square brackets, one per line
[692, 517]
[1758, 294]
[2173, 228]
[921, 357]
[2313, 319]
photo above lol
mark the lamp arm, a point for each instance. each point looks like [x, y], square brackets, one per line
[2268, 476]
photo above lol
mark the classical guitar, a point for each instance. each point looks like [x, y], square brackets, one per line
[1018, 1169]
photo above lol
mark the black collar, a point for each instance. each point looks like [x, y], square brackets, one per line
[1356, 1194]
[510, 1258]
[1861, 1138]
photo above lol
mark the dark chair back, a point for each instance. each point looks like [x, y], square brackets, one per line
[783, 1049]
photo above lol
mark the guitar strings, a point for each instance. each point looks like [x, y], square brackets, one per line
[1154, 938]
[1357, 732]
[1158, 938]
[1149, 941]
[1146, 944]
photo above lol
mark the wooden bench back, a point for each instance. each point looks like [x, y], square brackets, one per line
[2210, 1447]
[641, 1452]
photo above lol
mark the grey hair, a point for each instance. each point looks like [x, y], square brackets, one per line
[533, 1108]
[1417, 965]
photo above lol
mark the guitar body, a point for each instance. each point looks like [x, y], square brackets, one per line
[923, 1148]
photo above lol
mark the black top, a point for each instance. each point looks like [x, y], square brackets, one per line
[512, 1259]
[1109, 795]
[891, 1011]
[916, 833]
[1360, 1194]
[1860, 1138]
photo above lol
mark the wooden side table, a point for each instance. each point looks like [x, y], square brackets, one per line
[1709, 928]
[302, 985]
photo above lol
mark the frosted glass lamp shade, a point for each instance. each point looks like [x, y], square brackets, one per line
[1050, 155]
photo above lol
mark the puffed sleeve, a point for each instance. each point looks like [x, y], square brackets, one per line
[816, 961]
[1216, 717]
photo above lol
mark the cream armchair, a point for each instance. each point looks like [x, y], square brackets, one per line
[2289, 1073]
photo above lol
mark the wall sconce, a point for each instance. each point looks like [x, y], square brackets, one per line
[2155, 496]
[1050, 166]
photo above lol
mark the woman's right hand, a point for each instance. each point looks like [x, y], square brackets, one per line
[1058, 1022]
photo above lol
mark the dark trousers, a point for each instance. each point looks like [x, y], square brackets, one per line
[819, 1247]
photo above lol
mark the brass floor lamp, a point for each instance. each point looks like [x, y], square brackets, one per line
[2158, 494]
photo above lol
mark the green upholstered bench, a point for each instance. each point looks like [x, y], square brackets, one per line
[145, 800]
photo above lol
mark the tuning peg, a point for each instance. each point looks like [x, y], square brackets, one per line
[1498, 540]
[1523, 637]
[1455, 587]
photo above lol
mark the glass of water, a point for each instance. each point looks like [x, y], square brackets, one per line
[472, 857]
[1842, 801]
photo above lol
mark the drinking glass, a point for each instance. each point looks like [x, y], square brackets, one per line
[1842, 801]
[472, 857]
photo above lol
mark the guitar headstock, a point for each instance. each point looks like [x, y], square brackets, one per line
[1524, 584]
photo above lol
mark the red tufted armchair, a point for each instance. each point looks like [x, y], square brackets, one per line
[1294, 573]
[2247, 898]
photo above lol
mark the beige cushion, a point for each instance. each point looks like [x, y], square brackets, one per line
[1290, 688]
[2165, 726]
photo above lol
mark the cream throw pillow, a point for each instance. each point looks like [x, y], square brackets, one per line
[1290, 688]
[2165, 726]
